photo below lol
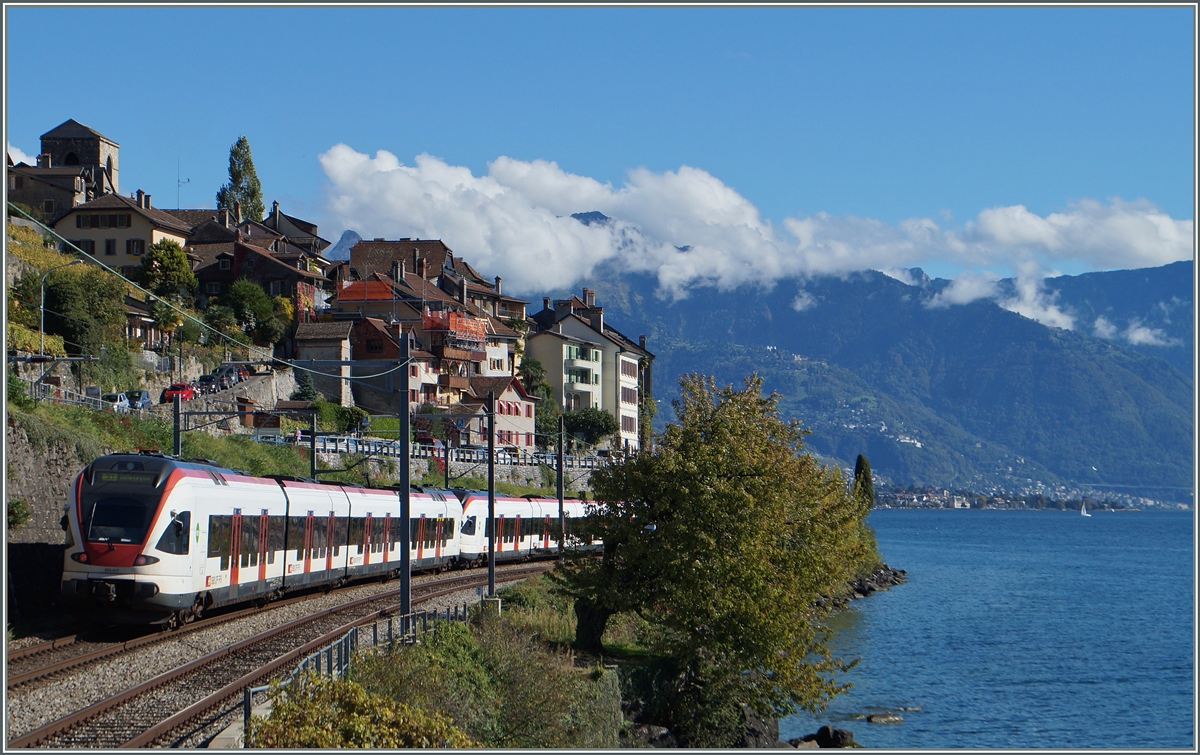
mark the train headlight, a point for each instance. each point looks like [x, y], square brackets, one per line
[81, 557]
[144, 560]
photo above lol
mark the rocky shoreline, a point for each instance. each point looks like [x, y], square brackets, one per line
[763, 733]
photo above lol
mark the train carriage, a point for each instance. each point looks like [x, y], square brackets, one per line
[153, 538]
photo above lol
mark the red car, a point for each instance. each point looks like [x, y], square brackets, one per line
[183, 390]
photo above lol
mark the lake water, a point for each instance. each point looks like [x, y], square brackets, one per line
[1021, 629]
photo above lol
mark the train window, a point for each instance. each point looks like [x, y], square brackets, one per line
[175, 538]
[356, 534]
[122, 518]
[249, 549]
[468, 527]
[218, 539]
[319, 536]
[340, 528]
[397, 530]
[447, 530]
[376, 535]
[275, 541]
[295, 536]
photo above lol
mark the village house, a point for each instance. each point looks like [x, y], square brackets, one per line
[76, 165]
[118, 230]
[590, 363]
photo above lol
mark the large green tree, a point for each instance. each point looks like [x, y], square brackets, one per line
[165, 270]
[243, 186]
[84, 305]
[591, 424]
[864, 486]
[721, 539]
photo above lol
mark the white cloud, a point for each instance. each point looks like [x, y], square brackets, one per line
[19, 156]
[1033, 301]
[1104, 329]
[1140, 335]
[689, 228]
[965, 289]
[804, 300]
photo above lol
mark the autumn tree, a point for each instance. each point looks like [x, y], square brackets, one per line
[244, 186]
[721, 539]
[165, 270]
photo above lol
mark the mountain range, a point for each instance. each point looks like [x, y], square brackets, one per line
[968, 395]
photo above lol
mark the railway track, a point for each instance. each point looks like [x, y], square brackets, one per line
[176, 706]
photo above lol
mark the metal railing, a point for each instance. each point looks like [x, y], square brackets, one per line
[333, 659]
[348, 444]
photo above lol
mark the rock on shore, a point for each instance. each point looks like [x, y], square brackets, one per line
[880, 579]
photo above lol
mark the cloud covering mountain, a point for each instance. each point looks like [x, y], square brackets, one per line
[687, 228]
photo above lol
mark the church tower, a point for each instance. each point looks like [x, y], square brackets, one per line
[73, 143]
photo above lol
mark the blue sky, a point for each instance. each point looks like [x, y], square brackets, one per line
[814, 140]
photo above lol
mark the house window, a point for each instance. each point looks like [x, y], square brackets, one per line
[528, 411]
[87, 245]
[48, 207]
[628, 424]
[135, 247]
[123, 221]
[276, 288]
[629, 395]
[212, 288]
[17, 182]
[110, 247]
[628, 368]
[374, 345]
[412, 371]
[225, 264]
[129, 271]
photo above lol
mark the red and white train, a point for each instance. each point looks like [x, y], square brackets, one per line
[153, 538]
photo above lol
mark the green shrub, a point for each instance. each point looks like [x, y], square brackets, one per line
[319, 712]
[18, 513]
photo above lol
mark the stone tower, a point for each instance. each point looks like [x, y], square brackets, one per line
[73, 143]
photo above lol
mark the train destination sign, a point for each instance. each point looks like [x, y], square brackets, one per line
[125, 478]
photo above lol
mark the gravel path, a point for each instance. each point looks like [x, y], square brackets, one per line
[34, 705]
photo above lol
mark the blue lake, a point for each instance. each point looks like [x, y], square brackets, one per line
[1020, 629]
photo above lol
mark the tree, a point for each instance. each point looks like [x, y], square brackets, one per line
[864, 486]
[304, 388]
[532, 374]
[165, 270]
[721, 539]
[590, 424]
[84, 305]
[244, 186]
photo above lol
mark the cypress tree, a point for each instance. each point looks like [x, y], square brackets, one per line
[864, 486]
[244, 186]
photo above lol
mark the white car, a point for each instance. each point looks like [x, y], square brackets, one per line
[119, 401]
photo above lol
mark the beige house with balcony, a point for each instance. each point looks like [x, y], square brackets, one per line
[118, 230]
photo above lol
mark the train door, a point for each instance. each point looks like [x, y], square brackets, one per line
[235, 549]
[308, 542]
[366, 540]
[328, 549]
[500, 533]
[437, 541]
[420, 537]
[546, 533]
[387, 537]
[263, 525]
[517, 533]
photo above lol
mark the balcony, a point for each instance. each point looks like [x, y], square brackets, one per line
[580, 364]
[454, 381]
[581, 384]
[442, 351]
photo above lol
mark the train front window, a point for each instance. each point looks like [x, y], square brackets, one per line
[119, 519]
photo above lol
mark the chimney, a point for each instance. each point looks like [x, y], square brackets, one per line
[403, 270]
[497, 285]
[44, 160]
[417, 267]
[275, 211]
[596, 318]
[462, 291]
[642, 342]
[589, 297]
[147, 205]
[141, 198]
[424, 267]
[545, 302]
[237, 212]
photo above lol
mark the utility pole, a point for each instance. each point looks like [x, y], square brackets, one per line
[176, 400]
[562, 518]
[491, 417]
[405, 487]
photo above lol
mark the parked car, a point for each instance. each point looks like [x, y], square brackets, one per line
[119, 401]
[183, 390]
[139, 399]
[229, 375]
[209, 384]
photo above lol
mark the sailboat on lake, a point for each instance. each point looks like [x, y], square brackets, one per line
[1083, 509]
